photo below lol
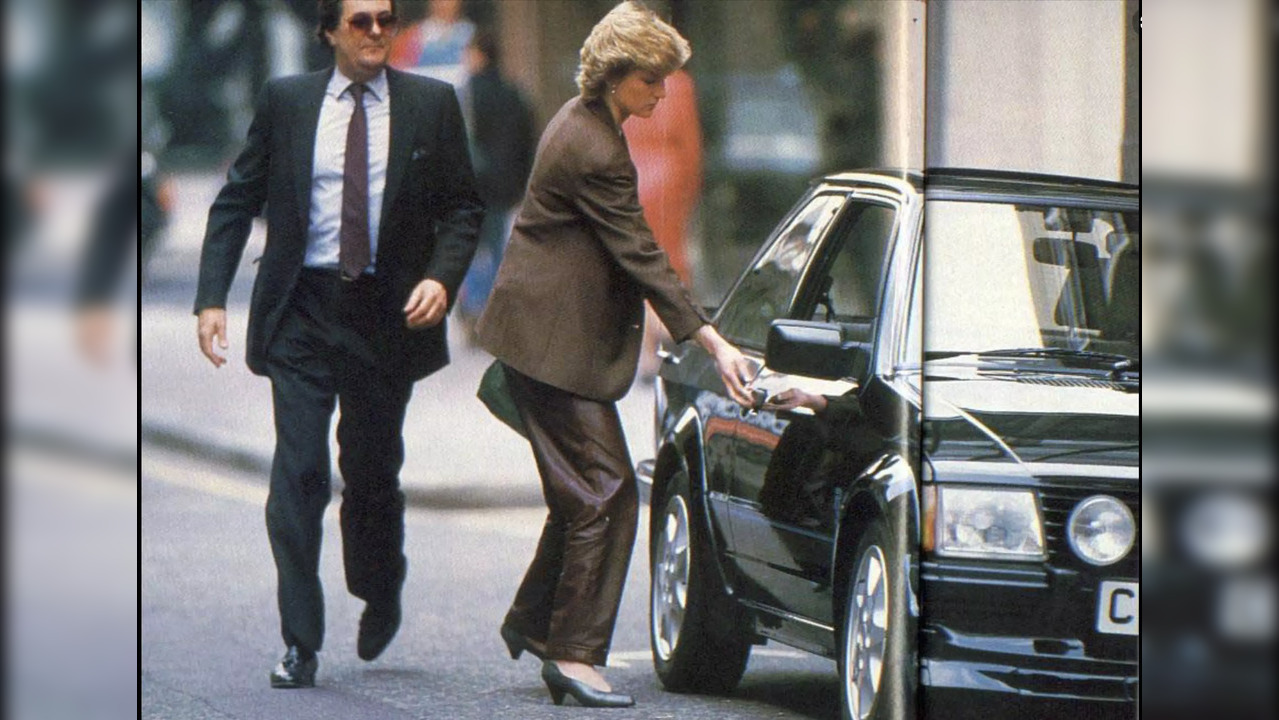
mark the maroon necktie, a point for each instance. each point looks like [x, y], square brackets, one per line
[353, 255]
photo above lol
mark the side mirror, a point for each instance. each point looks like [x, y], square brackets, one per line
[816, 349]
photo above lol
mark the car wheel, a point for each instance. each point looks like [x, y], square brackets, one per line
[699, 636]
[875, 659]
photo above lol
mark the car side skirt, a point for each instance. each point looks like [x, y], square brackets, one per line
[790, 629]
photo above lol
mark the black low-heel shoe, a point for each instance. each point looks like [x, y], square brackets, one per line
[295, 670]
[560, 685]
[516, 643]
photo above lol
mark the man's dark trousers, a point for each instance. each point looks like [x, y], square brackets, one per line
[329, 352]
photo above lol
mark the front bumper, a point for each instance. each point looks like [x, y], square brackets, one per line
[1021, 641]
[1032, 668]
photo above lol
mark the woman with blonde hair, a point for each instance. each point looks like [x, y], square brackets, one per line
[565, 319]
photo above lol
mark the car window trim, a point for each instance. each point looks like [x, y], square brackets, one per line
[1098, 203]
[826, 255]
[773, 238]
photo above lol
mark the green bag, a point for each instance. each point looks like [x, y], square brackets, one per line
[496, 396]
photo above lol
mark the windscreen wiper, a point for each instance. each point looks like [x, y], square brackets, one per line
[1111, 359]
[1118, 364]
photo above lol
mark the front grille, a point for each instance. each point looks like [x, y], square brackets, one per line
[1075, 603]
[1065, 381]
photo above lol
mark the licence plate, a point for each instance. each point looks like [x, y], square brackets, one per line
[1117, 607]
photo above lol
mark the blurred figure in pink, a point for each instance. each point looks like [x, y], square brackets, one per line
[667, 151]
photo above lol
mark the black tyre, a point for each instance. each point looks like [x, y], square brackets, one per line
[699, 638]
[876, 653]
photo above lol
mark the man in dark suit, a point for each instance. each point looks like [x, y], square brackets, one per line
[371, 218]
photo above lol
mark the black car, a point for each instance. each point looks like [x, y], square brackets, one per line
[954, 521]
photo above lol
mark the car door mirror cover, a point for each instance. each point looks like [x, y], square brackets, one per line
[816, 349]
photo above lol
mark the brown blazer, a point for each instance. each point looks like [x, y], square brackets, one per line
[567, 306]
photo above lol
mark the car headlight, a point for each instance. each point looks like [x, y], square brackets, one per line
[1226, 530]
[1101, 530]
[988, 523]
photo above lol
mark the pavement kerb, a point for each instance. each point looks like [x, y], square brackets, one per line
[453, 497]
[58, 441]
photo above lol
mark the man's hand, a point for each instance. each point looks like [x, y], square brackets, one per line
[426, 306]
[795, 398]
[211, 325]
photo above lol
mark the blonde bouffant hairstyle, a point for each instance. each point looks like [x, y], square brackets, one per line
[630, 37]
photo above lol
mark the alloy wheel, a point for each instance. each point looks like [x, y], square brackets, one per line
[866, 640]
[670, 578]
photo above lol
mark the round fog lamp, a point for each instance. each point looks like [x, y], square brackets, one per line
[1226, 530]
[1101, 530]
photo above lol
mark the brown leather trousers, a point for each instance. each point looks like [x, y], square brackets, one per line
[570, 594]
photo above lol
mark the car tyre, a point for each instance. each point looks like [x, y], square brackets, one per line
[698, 634]
[876, 658]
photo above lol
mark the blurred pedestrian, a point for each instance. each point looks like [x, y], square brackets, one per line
[371, 219]
[501, 132]
[667, 150]
[221, 47]
[317, 56]
[435, 46]
[130, 213]
[564, 318]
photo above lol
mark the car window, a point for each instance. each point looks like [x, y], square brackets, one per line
[1031, 277]
[767, 290]
[846, 287]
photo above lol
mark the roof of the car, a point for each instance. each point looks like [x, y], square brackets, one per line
[983, 181]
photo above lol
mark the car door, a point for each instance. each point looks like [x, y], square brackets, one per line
[766, 291]
[787, 465]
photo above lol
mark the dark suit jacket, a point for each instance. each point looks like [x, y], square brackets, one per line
[502, 131]
[567, 306]
[430, 211]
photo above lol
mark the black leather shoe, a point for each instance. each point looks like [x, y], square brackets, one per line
[295, 670]
[377, 626]
[560, 684]
[516, 644]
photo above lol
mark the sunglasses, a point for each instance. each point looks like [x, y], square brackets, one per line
[364, 21]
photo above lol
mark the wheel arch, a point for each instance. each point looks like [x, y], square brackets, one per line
[887, 490]
[681, 449]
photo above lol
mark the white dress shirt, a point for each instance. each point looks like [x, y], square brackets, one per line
[322, 241]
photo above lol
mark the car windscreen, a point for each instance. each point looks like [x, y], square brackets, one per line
[1002, 276]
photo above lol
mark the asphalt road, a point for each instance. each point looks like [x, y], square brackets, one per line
[71, 596]
[210, 633]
